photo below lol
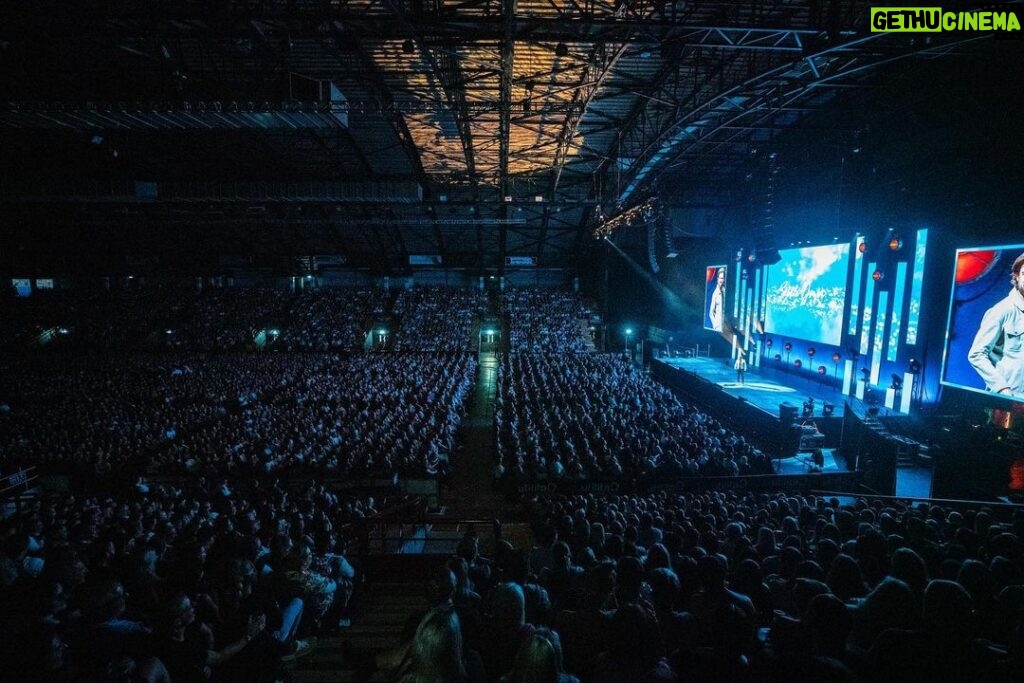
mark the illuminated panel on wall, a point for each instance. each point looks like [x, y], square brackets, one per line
[865, 328]
[858, 264]
[915, 287]
[897, 311]
[876, 351]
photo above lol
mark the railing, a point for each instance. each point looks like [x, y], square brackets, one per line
[10, 484]
[410, 528]
[947, 502]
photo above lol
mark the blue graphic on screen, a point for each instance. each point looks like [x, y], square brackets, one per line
[985, 337]
[807, 293]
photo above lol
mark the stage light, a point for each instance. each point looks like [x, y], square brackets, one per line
[914, 365]
[895, 243]
[865, 374]
[768, 342]
[752, 257]
[862, 247]
[827, 409]
[810, 352]
[778, 357]
[897, 382]
[382, 331]
[822, 370]
[788, 346]
[798, 363]
[877, 275]
[836, 357]
[629, 331]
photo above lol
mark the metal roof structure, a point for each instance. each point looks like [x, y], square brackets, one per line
[471, 129]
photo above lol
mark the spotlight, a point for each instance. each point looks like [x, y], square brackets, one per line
[862, 247]
[865, 374]
[768, 342]
[810, 352]
[877, 275]
[914, 365]
[827, 409]
[778, 357]
[895, 244]
[897, 382]
[822, 370]
[836, 357]
[798, 363]
[788, 346]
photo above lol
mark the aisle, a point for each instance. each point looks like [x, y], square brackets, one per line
[470, 492]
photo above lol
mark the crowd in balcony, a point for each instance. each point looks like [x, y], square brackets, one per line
[437, 319]
[546, 320]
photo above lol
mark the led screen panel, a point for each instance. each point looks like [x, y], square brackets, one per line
[714, 297]
[984, 346]
[807, 292]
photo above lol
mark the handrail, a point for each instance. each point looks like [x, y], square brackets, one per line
[16, 479]
[937, 501]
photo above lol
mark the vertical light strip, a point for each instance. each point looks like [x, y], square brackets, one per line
[865, 328]
[876, 352]
[736, 295]
[897, 311]
[913, 317]
[858, 265]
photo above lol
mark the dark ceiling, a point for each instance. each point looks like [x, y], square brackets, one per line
[473, 129]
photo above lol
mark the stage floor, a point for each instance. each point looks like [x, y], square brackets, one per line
[764, 388]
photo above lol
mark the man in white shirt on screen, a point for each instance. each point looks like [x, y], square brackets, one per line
[716, 310]
[997, 353]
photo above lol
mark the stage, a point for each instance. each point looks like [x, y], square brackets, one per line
[763, 388]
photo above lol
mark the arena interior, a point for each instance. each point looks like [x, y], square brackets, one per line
[511, 341]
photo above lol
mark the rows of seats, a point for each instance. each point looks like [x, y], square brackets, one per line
[597, 417]
[718, 587]
[546, 320]
[175, 314]
[243, 414]
[186, 583]
[438, 319]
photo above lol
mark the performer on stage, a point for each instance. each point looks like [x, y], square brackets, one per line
[741, 367]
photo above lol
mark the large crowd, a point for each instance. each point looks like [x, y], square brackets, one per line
[173, 584]
[330, 319]
[438, 319]
[239, 414]
[185, 315]
[596, 416]
[718, 587]
[546, 320]
[229, 575]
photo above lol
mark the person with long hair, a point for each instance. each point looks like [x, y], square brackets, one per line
[436, 654]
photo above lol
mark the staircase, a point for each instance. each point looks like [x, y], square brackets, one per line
[377, 625]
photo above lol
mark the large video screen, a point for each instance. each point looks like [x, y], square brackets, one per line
[806, 294]
[985, 336]
[714, 297]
